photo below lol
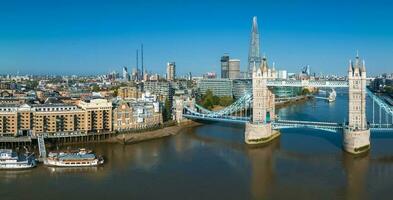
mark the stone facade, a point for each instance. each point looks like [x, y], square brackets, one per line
[259, 130]
[357, 133]
[178, 106]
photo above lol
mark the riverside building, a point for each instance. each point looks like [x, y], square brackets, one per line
[33, 119]
[131, 115]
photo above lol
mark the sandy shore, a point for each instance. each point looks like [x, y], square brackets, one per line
[129, 138]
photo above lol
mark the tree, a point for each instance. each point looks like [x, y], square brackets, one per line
[115, 92]
[95, 88]
[389, 89]
[209, 100]
[226, 101]
[167, 111]
[306, 91]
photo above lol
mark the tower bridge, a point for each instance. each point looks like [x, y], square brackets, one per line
[256, 109]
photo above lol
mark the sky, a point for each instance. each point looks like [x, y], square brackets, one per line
[93, 37]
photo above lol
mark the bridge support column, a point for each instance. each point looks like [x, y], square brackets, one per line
[259, 133]
[356, 141]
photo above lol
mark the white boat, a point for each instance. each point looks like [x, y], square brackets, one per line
[11, 160]
[332, 96]
[82, 158]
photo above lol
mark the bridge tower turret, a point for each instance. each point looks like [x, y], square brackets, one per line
[356, 132]
[259, 129]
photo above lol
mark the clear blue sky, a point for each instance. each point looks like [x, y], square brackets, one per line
[90, 37]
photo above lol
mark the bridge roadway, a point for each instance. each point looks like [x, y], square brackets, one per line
[286, 124]
[307, 83]
[327, 84]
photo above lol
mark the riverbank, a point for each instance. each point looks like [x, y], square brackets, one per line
[297, 100]
[129, 138]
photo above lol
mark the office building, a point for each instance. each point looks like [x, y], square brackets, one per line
[254, 56]
[163, 89]
[225, 66]
[282, 74]
[234, 69]
[126, 76]
[219, 87]
[171, 71]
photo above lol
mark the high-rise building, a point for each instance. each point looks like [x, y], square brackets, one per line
[234, 69]
[282, 74]
[134, 74]
[171, 71]
[254, 56]
[225, 66]
[126, 76]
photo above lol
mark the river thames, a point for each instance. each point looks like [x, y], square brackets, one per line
[213, 162]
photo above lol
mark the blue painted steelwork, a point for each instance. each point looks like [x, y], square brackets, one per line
[380, 102]
[228, 114]
[307, 83]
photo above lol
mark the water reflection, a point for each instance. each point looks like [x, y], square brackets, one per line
[73, 170]
[356, 168]
[262, 168]
[212, 162]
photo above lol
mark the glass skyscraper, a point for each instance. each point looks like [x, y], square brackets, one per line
[254, 56]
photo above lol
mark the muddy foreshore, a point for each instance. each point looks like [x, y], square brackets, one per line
[129, 138]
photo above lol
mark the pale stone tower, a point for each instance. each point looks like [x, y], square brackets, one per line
[357, 133]
[259, 130]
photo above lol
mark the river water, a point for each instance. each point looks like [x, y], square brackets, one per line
[212, 162]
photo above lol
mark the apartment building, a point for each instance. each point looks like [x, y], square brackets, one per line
[128, 115]
[30, 120]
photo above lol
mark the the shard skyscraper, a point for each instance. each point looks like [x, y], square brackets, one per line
[254, 56]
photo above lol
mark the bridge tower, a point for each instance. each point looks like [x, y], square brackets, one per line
[357, 132]
[259, 129]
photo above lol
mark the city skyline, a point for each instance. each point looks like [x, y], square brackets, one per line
[64, 38]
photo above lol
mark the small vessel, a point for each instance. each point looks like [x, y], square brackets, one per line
[9, 159]
[81, 158]
[332, 96]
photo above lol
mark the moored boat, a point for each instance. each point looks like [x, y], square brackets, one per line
[10, 159]
[82, 158]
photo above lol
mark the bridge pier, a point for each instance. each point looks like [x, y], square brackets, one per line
[356, 141]
[259, 133]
